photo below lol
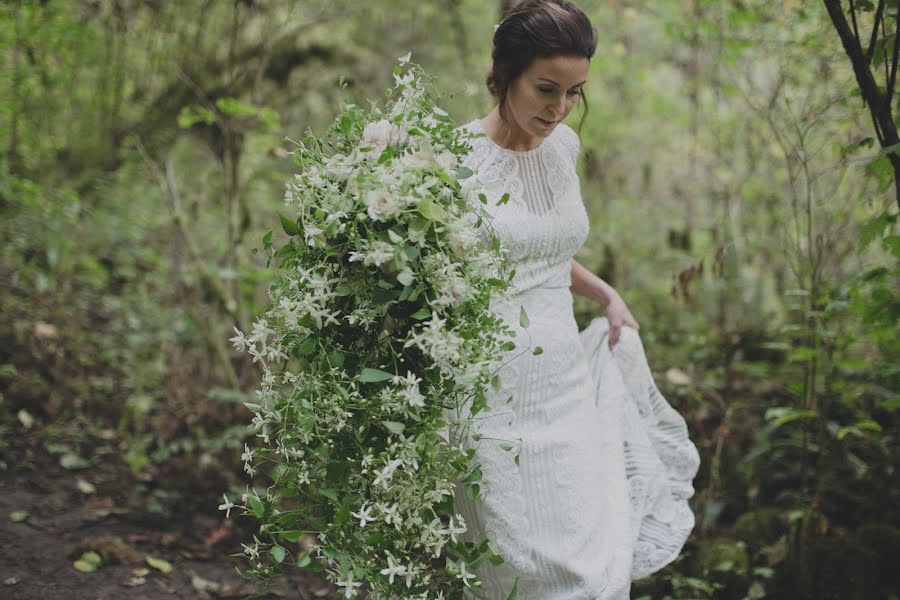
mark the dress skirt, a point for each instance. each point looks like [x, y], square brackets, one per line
[593, 492]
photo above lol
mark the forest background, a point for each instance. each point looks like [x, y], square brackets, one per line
[742, 198]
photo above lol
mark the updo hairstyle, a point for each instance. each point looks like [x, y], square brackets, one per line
[537, 29]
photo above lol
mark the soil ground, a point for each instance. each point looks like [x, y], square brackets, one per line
[50, 515]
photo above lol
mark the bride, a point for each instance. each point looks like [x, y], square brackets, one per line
[595, 491]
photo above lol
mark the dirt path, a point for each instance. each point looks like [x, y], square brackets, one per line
[50, 516]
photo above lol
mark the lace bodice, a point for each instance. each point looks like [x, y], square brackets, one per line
[544, 222]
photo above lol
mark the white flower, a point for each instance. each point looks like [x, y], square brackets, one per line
[240, 342]
[454, 530]
[349, 585]
[393, 569]
[364, 515]
[385, 475]
[227, 506]
[464, 574]
[382, 205]
[379, 253]
[405, 58]
[390, 513]
[382, 134]
[462, 239]
[446, 160]
[252, 551]
[421, 158]
[313, 236]
[247, 457]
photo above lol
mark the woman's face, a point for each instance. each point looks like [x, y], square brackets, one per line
[545, 93]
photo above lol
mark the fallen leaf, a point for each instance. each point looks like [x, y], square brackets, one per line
[17, 516]
[204, 585]
[44, 331]
[113, 548]
[135, 581]
[25, 418]
[11, 581]
[160, 564]
[88, 562]
[84, 566]
[70, 460]
[218, 534]
[140, 572]
[678, 377]
[85, 487]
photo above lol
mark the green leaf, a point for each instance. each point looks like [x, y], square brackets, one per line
[538, 351]
[405, 277]
[801, 354]
[233, 106]
[782, 415]
[893, 149]
[495, 382]
[892, 244]
[473, 490]
[329, 493]
[159, 564]
[422, 313]
[17, 516]
[479, 403]
[290, 227]
[303, 560]
[394, 426]
[523, 317]
[257, 507]
[515, 591]
[368, 375]
[464, 173]
[432, 211]
[503, 199]
[306, 347]
[292, 536]
[278, 554]
[336, 359]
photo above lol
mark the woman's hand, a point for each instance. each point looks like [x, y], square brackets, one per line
[618, 316]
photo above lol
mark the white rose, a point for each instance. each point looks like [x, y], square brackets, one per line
[462, 240]
[381, 205]
[422, 158]
[446, 160]
[382, 134]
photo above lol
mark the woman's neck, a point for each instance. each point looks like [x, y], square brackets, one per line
[505, 133]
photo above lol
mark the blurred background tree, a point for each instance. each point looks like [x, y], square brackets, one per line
[738, 200]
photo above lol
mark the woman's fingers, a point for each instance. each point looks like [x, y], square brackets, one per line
[614, 331]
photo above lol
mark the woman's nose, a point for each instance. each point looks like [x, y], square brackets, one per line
[559, 107]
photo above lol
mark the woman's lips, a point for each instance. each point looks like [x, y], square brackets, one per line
[546, 122]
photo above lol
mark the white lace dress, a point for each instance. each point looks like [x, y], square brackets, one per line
[599, 493]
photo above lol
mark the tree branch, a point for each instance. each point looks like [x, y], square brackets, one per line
[892, 78]
[878, 103]
[879, 12]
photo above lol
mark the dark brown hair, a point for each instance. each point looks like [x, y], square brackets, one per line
[538, 29]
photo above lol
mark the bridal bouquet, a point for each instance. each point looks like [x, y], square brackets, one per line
[376, 353]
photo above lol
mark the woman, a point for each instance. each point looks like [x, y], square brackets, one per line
[594, 491]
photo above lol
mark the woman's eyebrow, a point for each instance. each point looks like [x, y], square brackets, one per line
[556, 84]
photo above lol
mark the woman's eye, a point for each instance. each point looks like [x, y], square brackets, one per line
[575, 92]
[546, 90]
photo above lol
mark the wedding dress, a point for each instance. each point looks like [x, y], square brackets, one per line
[594, 492]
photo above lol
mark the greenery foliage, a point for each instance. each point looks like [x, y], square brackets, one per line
[739, 200]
